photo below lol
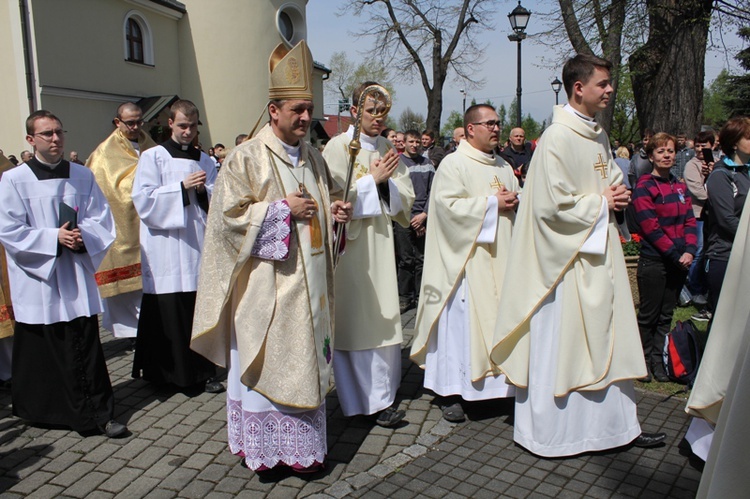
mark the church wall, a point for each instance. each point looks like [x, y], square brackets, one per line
[13, 100]
[92, 57]
[230, 41]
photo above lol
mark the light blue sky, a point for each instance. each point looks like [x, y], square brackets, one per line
[328, 33]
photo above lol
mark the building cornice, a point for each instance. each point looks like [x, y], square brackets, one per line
[85, 94]
[167, 8]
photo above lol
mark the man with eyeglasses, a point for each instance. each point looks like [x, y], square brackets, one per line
[368, 332]
[472, 210]
[56, 227]
[119, 275]
[172, 188]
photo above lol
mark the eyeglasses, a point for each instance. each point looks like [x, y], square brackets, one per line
[48, 134]
[490, 124]
[131, 123]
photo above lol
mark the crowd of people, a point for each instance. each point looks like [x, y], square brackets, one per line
[511, 256]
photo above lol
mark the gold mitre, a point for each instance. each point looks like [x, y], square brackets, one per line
[291, 72]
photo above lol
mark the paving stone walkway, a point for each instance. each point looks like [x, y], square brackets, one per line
[178, 449]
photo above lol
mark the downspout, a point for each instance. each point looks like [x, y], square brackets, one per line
[25, 32]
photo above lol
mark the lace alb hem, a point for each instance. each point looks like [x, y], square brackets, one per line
[269, 438]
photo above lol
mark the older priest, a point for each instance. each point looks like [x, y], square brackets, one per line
[265, 294]
[119, 276]
[566, 332]
[472, 205]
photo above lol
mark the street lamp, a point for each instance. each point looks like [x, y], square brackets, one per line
[464, 94]
[519, 19]
[556, 86]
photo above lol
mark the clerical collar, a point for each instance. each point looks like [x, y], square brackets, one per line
[575, 112]
[180, 151]
[46, 171]
[51, 166]
[368, 143]
[292, 151]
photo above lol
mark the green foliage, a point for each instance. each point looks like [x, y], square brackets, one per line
[455, 120]
[625, 126]
[715, 97]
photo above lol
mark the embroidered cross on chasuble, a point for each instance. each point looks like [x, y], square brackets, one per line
[601, 167]
[496, 184]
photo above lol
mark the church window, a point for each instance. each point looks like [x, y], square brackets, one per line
[134, 36]
[290, 22]
[137, 39]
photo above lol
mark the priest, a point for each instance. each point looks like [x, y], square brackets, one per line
[171, 190]
[265, 294]
[119, 276]
[368, 319]
[566, 333]
[472, 209]
[56, 228]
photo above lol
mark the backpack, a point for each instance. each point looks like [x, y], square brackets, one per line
[682, 353]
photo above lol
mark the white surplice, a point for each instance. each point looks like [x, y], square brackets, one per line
[46, 288]
[171, 233]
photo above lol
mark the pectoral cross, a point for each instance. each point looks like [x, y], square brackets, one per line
[496, 184]
[601, 167]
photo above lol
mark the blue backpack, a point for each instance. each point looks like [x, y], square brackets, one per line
[682, 353]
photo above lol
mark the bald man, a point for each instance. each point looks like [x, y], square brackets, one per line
[519, 152]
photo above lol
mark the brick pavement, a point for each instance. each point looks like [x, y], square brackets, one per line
[178, 449]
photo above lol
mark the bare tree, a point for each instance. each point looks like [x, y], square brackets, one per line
[346, 75]
[428, 39]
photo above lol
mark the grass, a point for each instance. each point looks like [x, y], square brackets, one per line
[669, 388]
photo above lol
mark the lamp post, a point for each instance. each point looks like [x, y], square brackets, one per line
[519, 19]
[464, 94]
[556, 86]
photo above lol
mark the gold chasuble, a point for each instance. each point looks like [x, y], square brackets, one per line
[729, 342]
[269, 304]
[561, 200]
[113, 164]
[6, 309]
[458, 202]
[367, 310]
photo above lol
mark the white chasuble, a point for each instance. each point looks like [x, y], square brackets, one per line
[368, 332]
[47, 288]
[465, 254]
[367, 309]
[171, 231]
[574, 294]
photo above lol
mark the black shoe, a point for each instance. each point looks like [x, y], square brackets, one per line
[454, 413]
[213, 386]
[647, 378]
[661, 377]
[405, 305]
[649, 439]
[390, 417]
[113, 429]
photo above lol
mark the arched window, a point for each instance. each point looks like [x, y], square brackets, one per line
[138, 41]
[134, 38]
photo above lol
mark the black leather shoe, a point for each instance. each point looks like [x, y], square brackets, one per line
[390, 417]
[649, 439]
[454, 413]
[661, 378]
[213, 386]
[113, 429]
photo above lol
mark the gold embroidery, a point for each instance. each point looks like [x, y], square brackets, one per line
[496, 184]
[601, 167]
